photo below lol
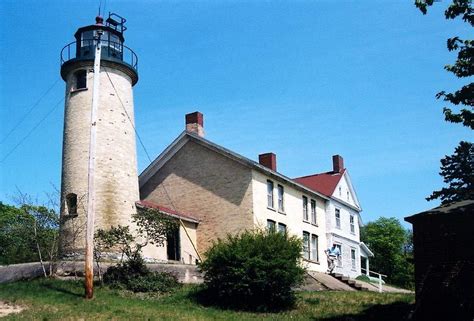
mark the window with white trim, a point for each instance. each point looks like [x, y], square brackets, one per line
[351, 221]
[313, 212]
[281, 205]
[353, 258]
[271, 225]
[281, 228]
[305, 209]
[314, 248]
[270, 194]
[337, 215]
[306, 245]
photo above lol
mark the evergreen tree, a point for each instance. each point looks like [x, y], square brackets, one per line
[458, 173]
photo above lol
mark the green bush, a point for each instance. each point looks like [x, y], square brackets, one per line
[253, 271]
[363, 277]
[134, 275]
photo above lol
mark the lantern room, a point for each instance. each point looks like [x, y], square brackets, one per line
[111, 39]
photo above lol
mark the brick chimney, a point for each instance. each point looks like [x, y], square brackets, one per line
[268, 160]
[337, 164]
[195, 123]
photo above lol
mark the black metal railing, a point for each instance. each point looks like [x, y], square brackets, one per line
[111, 50]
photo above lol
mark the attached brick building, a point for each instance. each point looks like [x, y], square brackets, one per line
[229, 193]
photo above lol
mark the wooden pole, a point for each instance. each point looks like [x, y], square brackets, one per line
[89, 258]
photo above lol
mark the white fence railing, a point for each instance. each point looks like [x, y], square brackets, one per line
[379, 276]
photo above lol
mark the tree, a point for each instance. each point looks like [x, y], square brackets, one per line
[16, 241]
[27, 234]
[458, 173]
[131, 272]
[464, 65]
[391, 245]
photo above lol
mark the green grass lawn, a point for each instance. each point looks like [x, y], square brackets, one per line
[62, 300]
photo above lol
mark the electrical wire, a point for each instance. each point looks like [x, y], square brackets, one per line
[32, 130]
[29, 111]
[128, 116]
[141, 142]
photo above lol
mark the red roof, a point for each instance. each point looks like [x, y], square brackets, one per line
[168, 211]
[324, 183]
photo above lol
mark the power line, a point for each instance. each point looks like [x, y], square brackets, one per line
[128, 116]
[32, 130]
[29, 111]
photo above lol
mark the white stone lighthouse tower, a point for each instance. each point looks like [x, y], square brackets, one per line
[115, 161]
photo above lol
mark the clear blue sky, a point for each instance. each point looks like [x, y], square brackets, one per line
[302, 79]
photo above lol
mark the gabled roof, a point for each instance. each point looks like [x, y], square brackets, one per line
[325, 183]
[366, 250]
[185, 136]
[167, 211]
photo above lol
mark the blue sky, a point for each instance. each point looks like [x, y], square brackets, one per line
[302, 79]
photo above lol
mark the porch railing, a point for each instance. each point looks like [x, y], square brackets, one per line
[379, 276]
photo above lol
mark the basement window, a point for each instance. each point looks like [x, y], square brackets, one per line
[281, 228]
[271, 225]
[80, 80]
[71, 204]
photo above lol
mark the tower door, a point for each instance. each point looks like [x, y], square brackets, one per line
[173, 245]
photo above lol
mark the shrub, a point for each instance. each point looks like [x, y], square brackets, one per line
[253, 270]
[134, 275]
[364, 278]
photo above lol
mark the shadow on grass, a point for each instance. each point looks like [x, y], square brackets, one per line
[201, 296]
[397, 311]
[61, 289]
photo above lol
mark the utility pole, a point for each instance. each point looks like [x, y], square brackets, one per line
[89, 258]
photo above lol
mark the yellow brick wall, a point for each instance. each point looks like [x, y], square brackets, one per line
[208, 185]
[116, 180]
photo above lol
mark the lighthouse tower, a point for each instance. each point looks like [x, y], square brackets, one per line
[114, 159]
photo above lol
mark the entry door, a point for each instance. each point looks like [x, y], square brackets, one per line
[173, 245]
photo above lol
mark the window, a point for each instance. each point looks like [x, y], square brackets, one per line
[338, 218]
[87, 38]
[270, 194]
[80, 79]
[340, 191]
[348, 196]
[351, 221]
[281, 206]
[281, 228]
[353, 258]
[339, 260]
[305, 208]
[271, 225]
[313, 212]
[306, 245]
[314, 248]
[71, 203]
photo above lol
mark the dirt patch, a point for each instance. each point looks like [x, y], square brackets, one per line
[7, 308]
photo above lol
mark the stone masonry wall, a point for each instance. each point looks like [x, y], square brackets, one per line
[116, 182]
